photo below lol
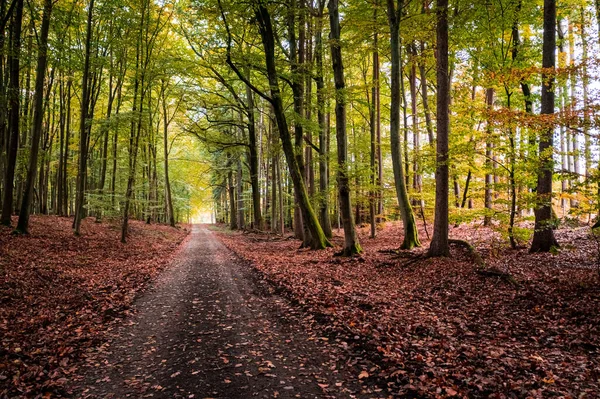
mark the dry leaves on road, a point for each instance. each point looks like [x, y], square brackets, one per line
[59, 294]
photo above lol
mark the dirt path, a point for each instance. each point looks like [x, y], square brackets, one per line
[210, 329]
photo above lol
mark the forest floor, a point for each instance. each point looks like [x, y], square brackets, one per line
[61, 295]
[528, 325]
[210, 327]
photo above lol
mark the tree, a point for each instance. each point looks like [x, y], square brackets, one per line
[14, 112]
[351, 245]
[83, 125]
[411, 235]
[38, 114]
[439, 243]
[323, 128]
[543, 236]
[263, 19]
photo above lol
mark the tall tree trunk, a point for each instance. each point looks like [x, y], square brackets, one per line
[543, 236]
[489, 182]
[425, 96]
[323, 128]
[317, 239]
[351, 245]
[575, 149]
[587, 150]
[233, 217]
[38, 115]
[239, 188]
[439, 242]
[417, 179]
[106, 134]
[374, 129]
[14, 113]
[411, 236]
[274, 181]
[168, 197]
[67, 152]
[83, 128]
[253, 159]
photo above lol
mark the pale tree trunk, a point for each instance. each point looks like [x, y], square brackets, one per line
[489, 182]
[587, 149]
[425, 96]
[239, 188]
[374, 127]
[233, 217]
[575, 149]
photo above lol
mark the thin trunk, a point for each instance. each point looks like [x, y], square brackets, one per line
[83, 128]
[374, 126]
[253, 159]
[323, 130]
[489, 182]
[425, 96]
[168, 197]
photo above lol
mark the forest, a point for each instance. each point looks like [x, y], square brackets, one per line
[387, 198]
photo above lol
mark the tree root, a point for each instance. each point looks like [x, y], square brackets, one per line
[482, 268]
[472, 251]
[493, 272]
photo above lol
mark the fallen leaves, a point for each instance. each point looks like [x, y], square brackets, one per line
[60, 294]
[436, 327]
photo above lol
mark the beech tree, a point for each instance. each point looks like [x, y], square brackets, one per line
[244, 110]
[411, 236]
[543, 236]
[439, 242]
[351, 245]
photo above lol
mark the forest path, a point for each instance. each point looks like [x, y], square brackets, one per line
[209, 328]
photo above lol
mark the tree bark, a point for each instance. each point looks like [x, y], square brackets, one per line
[323, 144]
[14, 113]
[317, 239]
[253, 159]
[38, 115]
[439, 242]
[543, 236]
[351, 245]
[83, 128]
[168, 197]
[411, 237]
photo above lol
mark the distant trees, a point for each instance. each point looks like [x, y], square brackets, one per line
[246, 110]
[83, 54]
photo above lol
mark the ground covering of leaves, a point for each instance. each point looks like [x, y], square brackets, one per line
[59, 294]
[440, 327]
